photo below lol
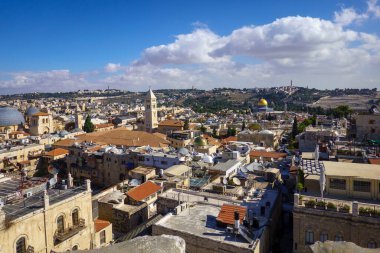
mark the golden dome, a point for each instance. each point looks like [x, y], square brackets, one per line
[262, 102]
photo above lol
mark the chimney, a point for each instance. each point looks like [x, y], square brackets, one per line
[237, 221]
[88, 185]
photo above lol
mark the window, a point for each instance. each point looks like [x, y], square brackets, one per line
[75, 248]
[164, 162]
[21, 245]
[371, 122]
[60, 224]
[103, 237]
[323, 237]
[371, 244]
[362, 186]
[338, 238]
[75, 217]
[339, 184]
[309, 238]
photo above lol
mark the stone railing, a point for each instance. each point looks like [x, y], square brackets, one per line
[354, 208]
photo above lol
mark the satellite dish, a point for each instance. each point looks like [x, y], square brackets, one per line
[236, 181]
[225, 181]
[244, 169]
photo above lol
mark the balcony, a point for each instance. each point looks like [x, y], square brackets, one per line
[60, 236]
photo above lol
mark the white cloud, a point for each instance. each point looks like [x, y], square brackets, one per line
[348, 16]
[373, 8]
[112, 67]
[311, 51]
[192, 48]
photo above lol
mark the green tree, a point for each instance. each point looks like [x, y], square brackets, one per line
[186, 125]
[295, 127]
[214, 133]
[203, 129]
[255, 127]
[88, 125]
[233, 132]
[243, 126]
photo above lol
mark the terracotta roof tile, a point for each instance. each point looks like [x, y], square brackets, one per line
[101, 224]
[374, 161]
[125, 137]
[265, 154]
[143, 191]
[41, 114]
[57, 152]
[226, 214]
[97, 126]
[171, 122]
[228, 139]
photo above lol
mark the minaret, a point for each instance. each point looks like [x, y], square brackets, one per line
[151, 121]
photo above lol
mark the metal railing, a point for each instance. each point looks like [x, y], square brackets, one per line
[63, 235]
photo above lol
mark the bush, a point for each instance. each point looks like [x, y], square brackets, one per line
[345, 208]
[321, 203]
[299, 187]
[310, 202]
[331, 205]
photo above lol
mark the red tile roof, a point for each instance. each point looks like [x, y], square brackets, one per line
[374, 161]
[101, 224]
[57, 152]
[40, 114]
[265, 154]
[226, 214]
[97, 126]
[228, 139]
[171, 122]
[143, 191]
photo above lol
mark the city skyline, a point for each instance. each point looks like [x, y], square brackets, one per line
[69, 45]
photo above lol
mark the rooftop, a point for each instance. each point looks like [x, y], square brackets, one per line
[57, 152]
[34, 203]
[143, 191]
[226, 214]
[200, 220]
[101, 224]
[357, 170]
[225, 166]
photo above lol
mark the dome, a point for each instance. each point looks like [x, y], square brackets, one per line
[31, 110]
[266, 132]
[10, 116]
[200, 141]
[183, 151]
[262, 102]
[208, 159]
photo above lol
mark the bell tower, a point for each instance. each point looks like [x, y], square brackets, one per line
[151, 122]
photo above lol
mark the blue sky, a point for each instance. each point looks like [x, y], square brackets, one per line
[71, 44]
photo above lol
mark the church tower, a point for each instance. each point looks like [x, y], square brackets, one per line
[151, 122]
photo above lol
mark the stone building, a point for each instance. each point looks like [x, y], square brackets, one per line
[56, 220]
[41, 123]
[366, 126]
[350, 208]
[170, 125]
[10, 121]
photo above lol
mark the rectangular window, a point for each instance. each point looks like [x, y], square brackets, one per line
[362, 186]
[309, 238]
[164, 162]
[323, 237]
[339, 184]
[103, 237]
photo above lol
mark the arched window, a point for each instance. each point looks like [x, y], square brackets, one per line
[309, 237]
[372, 244]
[60, 224]
[21, 245]
[75, 217]
[75, 248]
[338, 238]
[323, 236]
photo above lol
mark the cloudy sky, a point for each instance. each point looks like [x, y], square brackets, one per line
[66, 45]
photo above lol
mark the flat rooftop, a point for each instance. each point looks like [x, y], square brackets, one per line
[357, 170]
[200, 220]
[31, 204]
